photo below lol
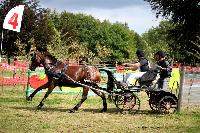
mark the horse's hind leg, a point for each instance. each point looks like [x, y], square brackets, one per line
[84, 97]
[29, 98]
[103, 96]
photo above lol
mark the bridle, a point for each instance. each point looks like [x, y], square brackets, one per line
[47, 63]
[35, 60]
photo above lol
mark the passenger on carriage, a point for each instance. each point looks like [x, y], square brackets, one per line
[142, 64]
[165, 70]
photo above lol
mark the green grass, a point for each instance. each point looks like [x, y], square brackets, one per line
[19, 116]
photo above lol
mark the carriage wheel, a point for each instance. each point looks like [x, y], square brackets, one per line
[167, 105]
[128, 102]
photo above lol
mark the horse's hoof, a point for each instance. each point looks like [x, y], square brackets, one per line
[40, 106]
[29, 98]
[71, 111]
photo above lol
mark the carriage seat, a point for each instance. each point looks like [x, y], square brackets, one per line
[147, 79]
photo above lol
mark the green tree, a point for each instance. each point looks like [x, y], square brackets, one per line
[43, 37]
[185, 14]
[157, 38]
[103, 41]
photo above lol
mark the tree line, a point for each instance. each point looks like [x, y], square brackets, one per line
[70, 36]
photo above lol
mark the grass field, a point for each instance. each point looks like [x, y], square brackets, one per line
[19, 116]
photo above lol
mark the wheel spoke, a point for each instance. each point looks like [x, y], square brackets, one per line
[167, 104]
[128, 102]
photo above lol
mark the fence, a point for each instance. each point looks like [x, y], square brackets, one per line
[14, 74]
[191, 86]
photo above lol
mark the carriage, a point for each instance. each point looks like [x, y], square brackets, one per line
[125, 97]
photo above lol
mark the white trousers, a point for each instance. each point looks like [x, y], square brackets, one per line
[131, 76]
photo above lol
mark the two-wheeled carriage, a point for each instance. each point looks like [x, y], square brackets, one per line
[126, 99]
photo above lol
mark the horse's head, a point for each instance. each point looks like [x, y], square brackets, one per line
[36, 61]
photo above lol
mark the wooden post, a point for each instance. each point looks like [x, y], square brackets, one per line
[1, 45]
[180, 94]
[28, 83]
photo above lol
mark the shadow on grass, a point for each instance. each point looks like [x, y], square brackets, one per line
[98, 110]
[45, 109]
[53, 109]
[92, 110]
[117, 111]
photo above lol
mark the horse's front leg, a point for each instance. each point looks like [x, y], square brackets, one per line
[30, 97]
[84, 97]
[50, 89]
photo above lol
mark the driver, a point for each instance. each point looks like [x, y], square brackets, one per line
[142, 64]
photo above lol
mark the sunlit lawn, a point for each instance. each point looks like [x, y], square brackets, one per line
[18, 115]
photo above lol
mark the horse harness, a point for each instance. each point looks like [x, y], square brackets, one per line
[62, 76]
[55, 74]
[51, 72]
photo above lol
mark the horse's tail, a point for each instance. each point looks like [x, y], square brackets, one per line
[111, 79]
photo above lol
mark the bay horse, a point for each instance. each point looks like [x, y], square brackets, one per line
[61, 74]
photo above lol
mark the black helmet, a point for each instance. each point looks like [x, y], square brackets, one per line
[160, 53]
[140, 53]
